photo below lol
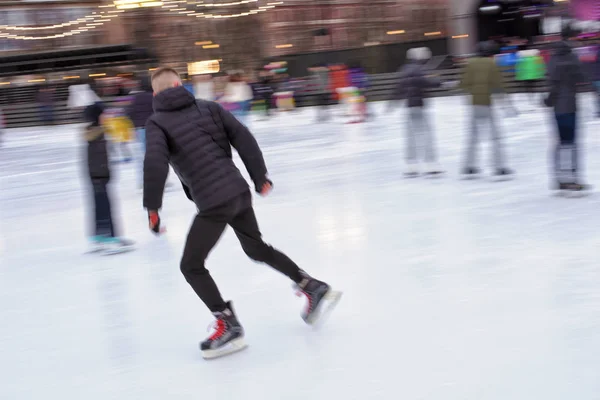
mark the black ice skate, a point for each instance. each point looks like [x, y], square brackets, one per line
[321, 299]
[470, 172]
[433, 169]
[503, 174]
[228, 336]
[573, 189]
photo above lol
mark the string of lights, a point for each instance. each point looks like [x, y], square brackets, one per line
[191, 13]
[92, 21]
[237, 3]
[91, 25]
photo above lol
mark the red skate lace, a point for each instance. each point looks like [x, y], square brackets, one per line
[220, 328]
[309, 307]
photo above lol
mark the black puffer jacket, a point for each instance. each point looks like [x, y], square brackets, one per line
[97, 154]
[413, 84]
[565, 73]
[195, 137]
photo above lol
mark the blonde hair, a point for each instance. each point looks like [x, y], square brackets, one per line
[165, 78]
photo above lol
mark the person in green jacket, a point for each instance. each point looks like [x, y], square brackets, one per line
[481, 79]
[530, 69]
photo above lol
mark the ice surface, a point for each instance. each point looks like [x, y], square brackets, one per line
[465, 290]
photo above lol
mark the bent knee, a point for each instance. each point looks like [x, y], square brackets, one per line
[260, 253]
[188, 267]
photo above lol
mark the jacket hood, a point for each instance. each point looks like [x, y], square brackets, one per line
[173, 99]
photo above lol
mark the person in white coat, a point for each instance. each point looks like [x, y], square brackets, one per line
[238, 93]
[81, 96]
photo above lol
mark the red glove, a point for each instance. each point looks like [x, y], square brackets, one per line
[154, 221]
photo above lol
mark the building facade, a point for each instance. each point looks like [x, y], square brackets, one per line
[178, 32]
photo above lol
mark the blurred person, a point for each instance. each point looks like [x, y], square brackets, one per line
[2, 125]
[105, 238]
[204, 87]
[481, 79]
[138, 112]
[120, 128]
[565, 74]
[596, 75]
[45, 100]
[341, 85]
[285, 93]
[360, 80]
[530, 70]
[239, 95]
[412, 86]
[263, 90]
[321, 87]
[196, 137]
[82, 95]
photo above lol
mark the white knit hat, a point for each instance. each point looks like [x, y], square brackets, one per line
[419, 54]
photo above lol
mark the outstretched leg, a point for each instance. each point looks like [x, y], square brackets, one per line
[203, 236]
[246, 229]
[248, 233]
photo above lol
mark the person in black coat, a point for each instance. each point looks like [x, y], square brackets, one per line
[138, 112]
[565, 74]
[105, 237]
[414, 81]
[195, 137]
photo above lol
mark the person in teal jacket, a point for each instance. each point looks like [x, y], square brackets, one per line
[530, 69]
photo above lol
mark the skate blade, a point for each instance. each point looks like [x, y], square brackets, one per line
[114, 252]
[434, 174]
[232, 347]
[504, 178]
[93, 251]
[570, 194]
[411, 175]
[472, 177]
[323, 311]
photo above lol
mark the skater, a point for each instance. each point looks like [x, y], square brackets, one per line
[530, 70]
[412, 86]
[195, 137]
[321, 85]
[105, 238]
[360, 80]
[481, 79]
[596, 73]
[138, 112]
[264, 90]
[238, 94]
[565, 73]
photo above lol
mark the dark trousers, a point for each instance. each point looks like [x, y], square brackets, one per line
[565, 151]
[47, 114]
[323, 106]
[597, 84]
[206, 230]
[104, 225]
[268, 98]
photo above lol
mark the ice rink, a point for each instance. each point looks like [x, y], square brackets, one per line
[453, 290]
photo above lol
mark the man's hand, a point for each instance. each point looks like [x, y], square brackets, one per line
[266, 188]
[154, 222]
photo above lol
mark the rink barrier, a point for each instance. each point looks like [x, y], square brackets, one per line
[20, 109]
